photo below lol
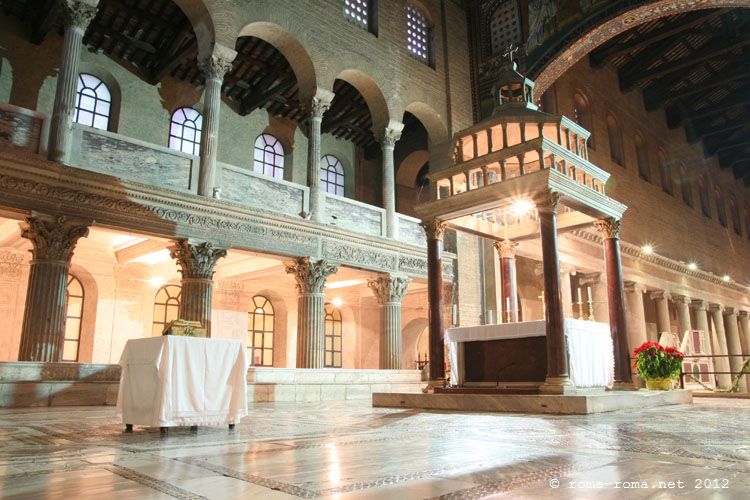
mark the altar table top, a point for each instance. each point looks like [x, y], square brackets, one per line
[174, 381]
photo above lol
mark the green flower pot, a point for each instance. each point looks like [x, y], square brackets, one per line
[658, 384]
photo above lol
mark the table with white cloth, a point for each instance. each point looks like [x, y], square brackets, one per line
[588, 345]
[174, 381]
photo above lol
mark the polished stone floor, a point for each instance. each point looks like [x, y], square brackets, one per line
[345, 450]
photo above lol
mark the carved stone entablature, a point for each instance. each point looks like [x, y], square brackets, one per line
[413, 265]
[196, 260]
[54, 238]
[354, 254]
[609, 228]
[448, 269]
[310, 276]
[78, 13]
[389, 289]
[11, 265]
[506, 249]
[214, 67]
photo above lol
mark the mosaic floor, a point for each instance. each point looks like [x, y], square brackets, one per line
[343, 450]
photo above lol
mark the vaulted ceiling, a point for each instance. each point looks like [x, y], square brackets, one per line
[154, 39]
[697, 67]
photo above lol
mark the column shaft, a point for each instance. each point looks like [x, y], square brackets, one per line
[508, 281]
[733, 345]
[389, 183]
[663, 323]
[719, 342]
[434, 231]
[390, 290]
[318, 108]
[682, 304]
[195, 301]
[745, 332]
[636, 316]
[311, 330]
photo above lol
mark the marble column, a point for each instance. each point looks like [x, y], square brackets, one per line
[508, 281]
[434, 232]
[311, 279]
[197, 262]
[636, 315]
[390, 290]
[558, 380]
[744, 317]
[663, 323]
[599, 297]
[618, 323]
[318, 108]
[53, 241]
[734, 346]
[682, 304]
[214, 67]
[390, 137]
[77, 15]
[719, 342]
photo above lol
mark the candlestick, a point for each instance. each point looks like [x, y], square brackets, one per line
[579, 295]
[591, 305]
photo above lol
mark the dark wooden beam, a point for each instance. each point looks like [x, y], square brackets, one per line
[704, 133]
[678, 113]
[730, 157]
[254, 101]
[729, 146]
[45, 20]
[657, 94]
[171, 61]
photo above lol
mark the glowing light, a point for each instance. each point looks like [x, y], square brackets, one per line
[647, 249]
[521, 207]
[726, 278]
[158, 257]
[337, 302]
[157, 281]
[692, 266]
[344, 283]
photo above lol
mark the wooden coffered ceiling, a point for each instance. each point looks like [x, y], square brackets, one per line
[154, 39]
[697, 67]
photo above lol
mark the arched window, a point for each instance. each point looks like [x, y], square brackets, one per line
[333, 336]
[418, 34]
[721, 209]
[362, 13]
[260, 324]
[582, 113]
[703, 194]
[269, 156]
[665, 172]
[332, 175]
[734, 210]
[166, 306]
[641, 154]
[686, 186]
[73, 316]
[185, 131]
[615, 141]
[93, 102]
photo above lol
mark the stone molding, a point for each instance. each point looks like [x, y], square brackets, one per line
[214, 67]
[506, 248]
[743, 314]
[54, 238]
[310, 276]
[196, 260]
[716, 308]
[699, 304]
[434, 229]
[632, 287]
[730, 311]
[390, 137]
[658, 295]
[547, 202]
[609, 228]
[318, 107]
[681, 299]
[357, 254]
[389, 289]
[78, 13]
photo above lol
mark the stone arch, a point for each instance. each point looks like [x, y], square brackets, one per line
[411, 334]
[406, 173]
[202, 21]
[373, 97]
[280, 330]
[611, 28]
[437, 132]
[88, 315]
[294, 52]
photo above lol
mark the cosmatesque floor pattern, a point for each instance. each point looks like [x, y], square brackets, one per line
[350, 450]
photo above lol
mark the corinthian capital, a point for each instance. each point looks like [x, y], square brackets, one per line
[434, 229]
[79, 13]
[506, 249]
[214, 66]
[390, 137]
[318, 106]
[610, 228]
[547, 202]
[310, 276]
[196, 260]
[389, 289]
[54, 238]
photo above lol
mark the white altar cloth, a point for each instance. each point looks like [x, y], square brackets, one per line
[171, 381]
[588, 343]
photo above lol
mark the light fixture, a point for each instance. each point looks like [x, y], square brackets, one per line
[647, 249]
[726, 278]
[521, 207]
[337, 301]
[157, 281]
[692, 266]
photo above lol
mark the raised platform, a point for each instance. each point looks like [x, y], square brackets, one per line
[575, 404]
[24, 384]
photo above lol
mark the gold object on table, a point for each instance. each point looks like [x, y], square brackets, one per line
[185, 328]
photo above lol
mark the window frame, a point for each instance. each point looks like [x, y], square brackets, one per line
[666, 176]
[81, 87]
[641, 157]
[196, 141]
[326, 183]
[277, 171]
[167, 305]
[71, 278]
[616, 140]
[428, 37]
[371, 23]
[260, 302]
[332, 318]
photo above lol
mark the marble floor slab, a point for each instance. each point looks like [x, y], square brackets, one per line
[348, 450]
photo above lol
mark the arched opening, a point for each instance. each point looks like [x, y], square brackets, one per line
[641, 155]
[614, 133]
[686, 186]
[583, 116]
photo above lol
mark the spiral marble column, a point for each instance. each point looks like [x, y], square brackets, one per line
[311, 279]
[197, 262]
[318, 108]
[390, 137]
[77, 15]
[390, 290]
[214, 68]
[53, 240]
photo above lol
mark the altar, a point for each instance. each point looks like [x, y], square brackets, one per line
[517, 352]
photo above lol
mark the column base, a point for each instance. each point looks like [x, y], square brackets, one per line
[430, 389]
[623, 386]
[557, 385]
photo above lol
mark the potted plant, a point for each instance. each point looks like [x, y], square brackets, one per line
[657, 365]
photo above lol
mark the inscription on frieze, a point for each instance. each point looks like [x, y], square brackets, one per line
[366, 257]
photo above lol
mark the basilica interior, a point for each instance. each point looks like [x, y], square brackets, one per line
[435, 231]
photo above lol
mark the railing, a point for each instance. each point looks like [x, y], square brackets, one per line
[736, 382]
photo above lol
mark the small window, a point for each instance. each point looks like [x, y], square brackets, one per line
[334, 336]
[418, 34]
[615, 141]
[703, 193]
[363, 13]
[721, 209]
[582, 113]
[185, 131]
[686, 187]
[734, 210]
[641, 154]
[73, 316]
[93, 102]
[332, 175]
[260, 332]
[166, 307]
[665, 172]
[269, 156]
